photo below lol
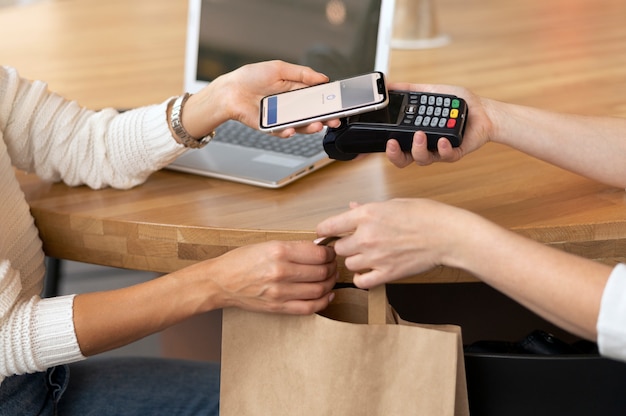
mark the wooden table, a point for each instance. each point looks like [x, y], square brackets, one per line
[566, 55]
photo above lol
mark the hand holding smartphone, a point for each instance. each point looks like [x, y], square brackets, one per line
[323, 102]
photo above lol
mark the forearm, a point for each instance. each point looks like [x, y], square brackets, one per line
[110, 319]
[594, 147]
[276, 276]
[562, 288]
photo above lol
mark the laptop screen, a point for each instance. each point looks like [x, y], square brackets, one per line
[340, 38]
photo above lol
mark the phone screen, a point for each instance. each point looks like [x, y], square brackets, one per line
[324, 101]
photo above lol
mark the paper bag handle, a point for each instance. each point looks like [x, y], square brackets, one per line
[377, 305]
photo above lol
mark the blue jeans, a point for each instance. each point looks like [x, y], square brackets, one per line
[115, 386]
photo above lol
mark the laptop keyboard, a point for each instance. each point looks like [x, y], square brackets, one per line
[304, 145]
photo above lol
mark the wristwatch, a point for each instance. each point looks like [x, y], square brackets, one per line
[176, 124]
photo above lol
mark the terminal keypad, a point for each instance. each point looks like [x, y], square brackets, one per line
[431, 111]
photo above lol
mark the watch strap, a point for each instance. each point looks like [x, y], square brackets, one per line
[175, 121]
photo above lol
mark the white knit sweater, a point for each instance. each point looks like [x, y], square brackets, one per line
[43, 133]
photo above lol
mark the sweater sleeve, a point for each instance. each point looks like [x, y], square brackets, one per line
[612, 318]
[36, 333]
[60, 140]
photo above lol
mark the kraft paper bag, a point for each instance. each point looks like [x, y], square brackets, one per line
[336, 363]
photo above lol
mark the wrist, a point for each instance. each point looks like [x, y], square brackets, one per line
[199, 290]
[494, 114]
[210, 107]
[508, 122]
[467, 242]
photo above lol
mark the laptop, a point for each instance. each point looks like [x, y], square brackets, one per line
[340, 38]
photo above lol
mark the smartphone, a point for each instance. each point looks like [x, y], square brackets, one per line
[322, 102]
[437, 115]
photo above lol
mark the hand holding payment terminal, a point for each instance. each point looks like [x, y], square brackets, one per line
[437, 115]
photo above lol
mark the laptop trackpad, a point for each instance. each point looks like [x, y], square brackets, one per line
[218, 157]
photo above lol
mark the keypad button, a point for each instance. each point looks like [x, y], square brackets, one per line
[431, 112]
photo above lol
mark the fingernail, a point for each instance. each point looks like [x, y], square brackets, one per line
[331, 297]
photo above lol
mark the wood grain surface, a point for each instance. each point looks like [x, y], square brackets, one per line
[565, 55]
